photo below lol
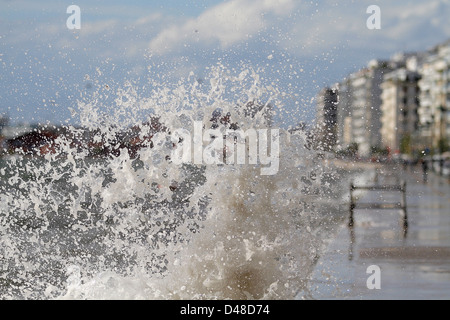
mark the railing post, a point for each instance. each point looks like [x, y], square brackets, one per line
[405, 214]
[352, 205]
[400, 186]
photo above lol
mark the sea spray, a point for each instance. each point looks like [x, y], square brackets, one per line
[107, 214]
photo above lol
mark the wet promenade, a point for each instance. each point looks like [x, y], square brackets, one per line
[377, 258]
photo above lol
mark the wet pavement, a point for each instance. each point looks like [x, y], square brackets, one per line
[377, 258]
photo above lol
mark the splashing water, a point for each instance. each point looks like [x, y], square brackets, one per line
[107, 214]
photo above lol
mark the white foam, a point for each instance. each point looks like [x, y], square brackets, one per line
[84, 228]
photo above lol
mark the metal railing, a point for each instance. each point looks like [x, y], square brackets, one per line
[392, 206]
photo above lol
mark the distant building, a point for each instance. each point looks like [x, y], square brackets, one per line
[400, 104]
[4, 120]
[344, 114]
[434, 110]
[359, 109]
[327, 101]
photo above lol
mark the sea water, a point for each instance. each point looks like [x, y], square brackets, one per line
[134, 225]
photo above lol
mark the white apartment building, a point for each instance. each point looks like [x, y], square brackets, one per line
[434, 113]
[400, 104]
[364, 107]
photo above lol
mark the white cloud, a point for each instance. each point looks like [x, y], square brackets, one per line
[150, 19]
[419, 21]
[412, 26]
[98, 27]
[323, 39]
[226, 23]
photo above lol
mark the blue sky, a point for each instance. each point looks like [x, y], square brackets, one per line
[45, 67]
